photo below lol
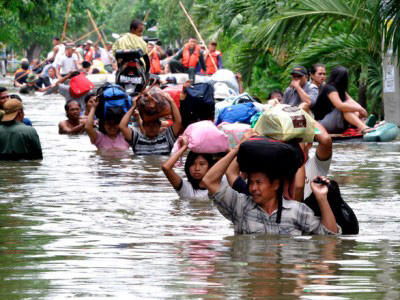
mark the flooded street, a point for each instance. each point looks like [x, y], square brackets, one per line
[83, 225]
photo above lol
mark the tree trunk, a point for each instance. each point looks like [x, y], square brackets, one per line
[34, 51]
[362, 88]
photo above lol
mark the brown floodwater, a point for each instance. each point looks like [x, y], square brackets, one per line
[80, 224]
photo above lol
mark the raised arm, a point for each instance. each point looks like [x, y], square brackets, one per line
[123, 125]
[321, 194]
[168, 166]
[89, 127]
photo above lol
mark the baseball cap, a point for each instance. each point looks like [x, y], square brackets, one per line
[299, 70]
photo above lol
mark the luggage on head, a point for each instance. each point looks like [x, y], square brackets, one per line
[237, 113]
[234, 131]
[284, 122]
[344, 215]
[198, 105]
[153, 104]
[175, 92]
[262, 154]
[112, 97]
[204, 137]
[79, 85]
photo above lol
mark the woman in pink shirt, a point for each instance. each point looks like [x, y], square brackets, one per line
[108, 137]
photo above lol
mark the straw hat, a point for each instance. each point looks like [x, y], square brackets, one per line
[11, 109]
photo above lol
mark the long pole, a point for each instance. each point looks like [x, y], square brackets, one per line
[87, 34]
[98, 31]
[197, 32]
[66, 20]
[146, 16]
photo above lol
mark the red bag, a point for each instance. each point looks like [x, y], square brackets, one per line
[175, 93]
[79, 86]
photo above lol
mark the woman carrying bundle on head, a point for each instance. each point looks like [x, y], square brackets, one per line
[109, 136]
[270, 166]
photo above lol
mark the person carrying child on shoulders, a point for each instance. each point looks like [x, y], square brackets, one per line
[152, 141]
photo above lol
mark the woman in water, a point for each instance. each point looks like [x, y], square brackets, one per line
[196, 166]
[335, 109]
[109, 136]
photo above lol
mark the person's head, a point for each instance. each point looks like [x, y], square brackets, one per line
[86, 65]
[109, 125]
[88, 44]
[51, 72]
[196, 166]
[150, 47]
[89, 96]
[152, 128]
[264, 187]
[276, 94]
[69, 50]
[13, 110]
[169, 52]
[108, 46]
[300, 73]
[3, 96]
[192, 42]
[35, 62]
[339, 77]
[212, 46]
[73, 110]
[137, 27]
[25, 64]
[56, 41]
[318, 74]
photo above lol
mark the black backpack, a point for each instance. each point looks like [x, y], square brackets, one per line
[344, 215]
[199, 104]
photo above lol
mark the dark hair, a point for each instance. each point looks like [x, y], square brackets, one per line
[88, 95]
[56, 38]
[86, 64]
[339, 78]
[3, 89]
[75, 73]
[135, 24]
[314, 68]
[191, 157]
[95, 71]
[25, 65]
[275, 92]
[169, 52]
[111, 115]
[66, 106]
[15, 96]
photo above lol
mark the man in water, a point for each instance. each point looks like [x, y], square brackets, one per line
[22, 73]
[17, 141]
[300, 92]
[190, 59]
[74, 124]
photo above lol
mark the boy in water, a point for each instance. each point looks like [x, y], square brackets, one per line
[153, 141]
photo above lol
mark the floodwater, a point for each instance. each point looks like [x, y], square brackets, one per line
[83, 225]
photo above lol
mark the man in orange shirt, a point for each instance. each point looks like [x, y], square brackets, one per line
[155, 52]
[212, 54]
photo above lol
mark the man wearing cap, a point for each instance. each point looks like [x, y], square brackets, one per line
[300, 90]
[17, 141]
[69, 62]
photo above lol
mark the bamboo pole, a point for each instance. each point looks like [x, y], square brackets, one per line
[87, 34]
[66, 20]
[197, 32]
[146, 16]
[98, 32]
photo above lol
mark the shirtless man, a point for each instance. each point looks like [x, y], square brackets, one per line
[74, 124]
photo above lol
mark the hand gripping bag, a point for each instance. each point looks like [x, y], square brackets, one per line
[80, 85]
[284, 122]
[234, 131]
[204, 137]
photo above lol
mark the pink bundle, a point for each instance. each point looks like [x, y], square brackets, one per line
[204, 137]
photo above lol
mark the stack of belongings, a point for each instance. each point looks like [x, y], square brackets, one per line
[153, 104]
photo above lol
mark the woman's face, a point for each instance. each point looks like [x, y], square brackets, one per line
[261, 188]
[111, 128]
[199, 168]
[319, 76]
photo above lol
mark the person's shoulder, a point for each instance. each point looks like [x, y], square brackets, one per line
[327, 88]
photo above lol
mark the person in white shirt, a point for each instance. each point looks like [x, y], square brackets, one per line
[68, 63]
[107, 57]
[196, 166]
